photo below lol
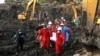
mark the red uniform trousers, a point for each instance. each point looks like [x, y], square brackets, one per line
[45, 44]
[58, 46]
[45, 38]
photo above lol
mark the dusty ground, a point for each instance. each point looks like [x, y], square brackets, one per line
[9, 24]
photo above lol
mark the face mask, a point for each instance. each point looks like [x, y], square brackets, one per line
[44, 28]
[58, 31]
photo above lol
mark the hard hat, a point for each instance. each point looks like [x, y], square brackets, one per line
[62, 24]
[49, 22]
[59, 28]
[63, 18]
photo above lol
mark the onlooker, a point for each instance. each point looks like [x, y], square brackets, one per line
[20, 39]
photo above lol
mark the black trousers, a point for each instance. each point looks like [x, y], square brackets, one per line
[20, 45]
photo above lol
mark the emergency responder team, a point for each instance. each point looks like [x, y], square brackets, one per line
[57, 32]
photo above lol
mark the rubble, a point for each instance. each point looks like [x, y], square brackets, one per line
[9, 24]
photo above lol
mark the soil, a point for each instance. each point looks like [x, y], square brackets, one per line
[9, 25]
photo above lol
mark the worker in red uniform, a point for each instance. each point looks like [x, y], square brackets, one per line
[54, 28]
[60, 39]
[49, 27]
[61, 20]
[39, 37]
[45, 38]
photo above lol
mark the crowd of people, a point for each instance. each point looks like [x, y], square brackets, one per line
[57, 32]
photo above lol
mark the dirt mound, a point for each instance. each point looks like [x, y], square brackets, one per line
[10, 11]
[9, 25]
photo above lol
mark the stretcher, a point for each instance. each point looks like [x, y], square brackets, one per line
[53, 38]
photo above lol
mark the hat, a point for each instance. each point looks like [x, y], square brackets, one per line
[62, 17]
[49, 22]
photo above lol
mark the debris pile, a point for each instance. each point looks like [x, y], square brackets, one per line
[9, 24]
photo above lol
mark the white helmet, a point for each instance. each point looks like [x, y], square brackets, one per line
[62, 24]
[49, 22]
[59, 28]
[62, 17]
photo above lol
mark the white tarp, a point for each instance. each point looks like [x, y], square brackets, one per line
[53, 38]
[2, 1]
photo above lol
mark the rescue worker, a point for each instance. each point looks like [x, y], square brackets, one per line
[39, 37]
[20, 39]
[66, 31]
[49, 27]
[60, 39]
[45, 38]
[61, 20]
[54, 27]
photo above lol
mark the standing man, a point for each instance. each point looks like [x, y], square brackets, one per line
[44, 33]
[20, 39]
[66, 31]
[49, 27]
[62, 20]
[60, 39]
[39, 37]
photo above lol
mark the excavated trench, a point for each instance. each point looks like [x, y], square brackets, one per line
[9, 25]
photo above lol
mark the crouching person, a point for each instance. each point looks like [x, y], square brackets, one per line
[20, 39]
[60, 39]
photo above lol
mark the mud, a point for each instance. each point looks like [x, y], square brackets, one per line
[9, 24]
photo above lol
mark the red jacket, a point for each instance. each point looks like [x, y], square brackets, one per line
[54, 28]
[45, 34]
[45, 38]
[50, 31]
[39, 34]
